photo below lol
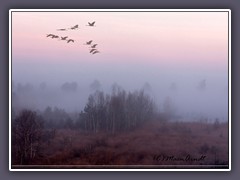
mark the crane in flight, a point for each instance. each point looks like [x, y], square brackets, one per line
[91, 24]
[70, 40]
[48, 35]
[61, 29]
[64, 38]
[94, 45]
[74, 27]
[92, 50]
[95, 52]
[55, 36]
[88, 42]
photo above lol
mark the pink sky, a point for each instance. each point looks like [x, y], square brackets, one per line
[195, 41]
[186, 37]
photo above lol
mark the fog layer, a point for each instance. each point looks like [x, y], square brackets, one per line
[193, 94]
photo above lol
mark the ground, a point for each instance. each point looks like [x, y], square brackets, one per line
[155, 144]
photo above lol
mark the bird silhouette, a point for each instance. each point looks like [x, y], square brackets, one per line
[74, 27]
[94, 45]
[88, 42]
[61, 29]
[92, 50]
[64, 38]
[55, 36]
[70, 40]
[91, 24]
[48, 35]
[95, 52]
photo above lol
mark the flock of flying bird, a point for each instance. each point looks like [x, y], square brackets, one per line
[92, 50]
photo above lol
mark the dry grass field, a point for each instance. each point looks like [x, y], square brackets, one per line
[155, 144]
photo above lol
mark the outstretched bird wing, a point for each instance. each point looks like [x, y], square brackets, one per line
[92, 50]
[70, 40]
[74, 27]
[61, 29]
[48, 35]
[93, 46]
[91, 24]
[95, 52]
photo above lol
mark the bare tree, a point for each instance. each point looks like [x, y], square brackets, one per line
[116, 112]
[94, 115]
[26, 136]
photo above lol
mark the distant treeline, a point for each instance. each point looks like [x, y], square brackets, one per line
[117, 112]
[111, 113]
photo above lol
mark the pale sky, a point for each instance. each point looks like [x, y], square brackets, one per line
[135, 47]
[157, 36]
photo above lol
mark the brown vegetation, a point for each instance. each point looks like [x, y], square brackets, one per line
[154, 143]
[121, 130]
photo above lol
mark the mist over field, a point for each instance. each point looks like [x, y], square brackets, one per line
[193, 95]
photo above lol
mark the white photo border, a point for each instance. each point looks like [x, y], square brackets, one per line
[106, 168]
